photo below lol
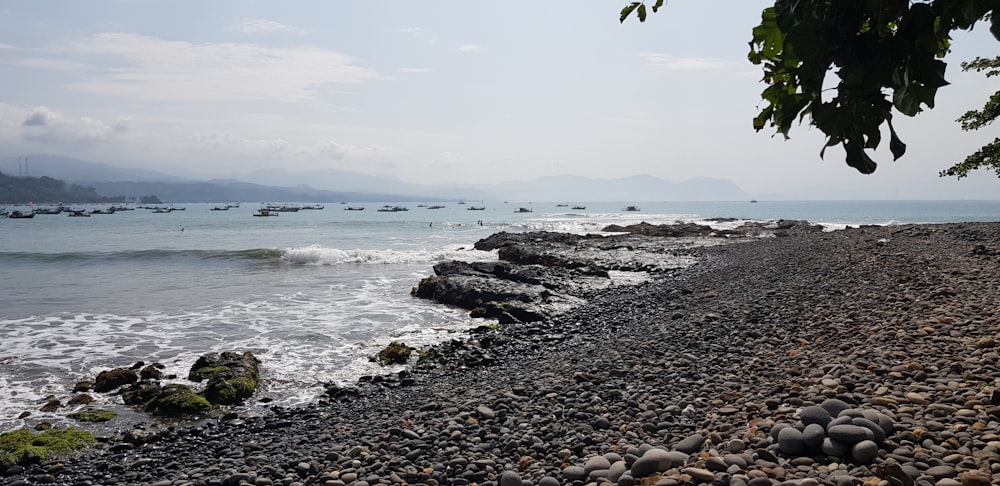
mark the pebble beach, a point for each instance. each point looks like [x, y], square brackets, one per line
[883, 337]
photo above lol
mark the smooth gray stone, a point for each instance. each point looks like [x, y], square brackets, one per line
[813, 436]
[835, 448]
[850, 433]
[815, 415]
[834, 406]
[790, 442]
[510, 478]
[865, 451]
[691, 444]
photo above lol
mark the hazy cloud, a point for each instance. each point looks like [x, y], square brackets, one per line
[52, 64]
[231, 143]
[261, 26]
[161, 70]
[44, 124]
[469, 48]
[414, 70]
[674, 63]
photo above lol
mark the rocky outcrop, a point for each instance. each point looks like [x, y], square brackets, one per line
[232, 377]
[542, 274]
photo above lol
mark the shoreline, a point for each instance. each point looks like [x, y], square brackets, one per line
[898, 319]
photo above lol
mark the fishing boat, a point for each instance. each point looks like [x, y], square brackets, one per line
[354, 208]
[523, 210]
[476, 208]
[580, 207]
[630, 208]
[265, 212]
[392, 209]
[436, 206]
[21, 215]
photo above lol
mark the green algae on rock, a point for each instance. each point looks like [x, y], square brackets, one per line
[93, 415]
[232, 377]
[16, 443]
[176, 399]
[395, 353]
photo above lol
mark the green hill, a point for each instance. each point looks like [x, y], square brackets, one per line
[46, 190]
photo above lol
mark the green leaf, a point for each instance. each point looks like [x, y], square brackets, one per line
[896, 145]
[628, 10]
[857, 158]
[658, 5]
[642, 13]
[995, 26]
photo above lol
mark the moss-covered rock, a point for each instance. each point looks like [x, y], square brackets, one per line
[175, 400]
[93, 415]
[22, 444]
[395, 353]
[232, 377]
[138, 394]
[230, 391]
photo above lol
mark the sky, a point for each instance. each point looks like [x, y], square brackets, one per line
[443, 92]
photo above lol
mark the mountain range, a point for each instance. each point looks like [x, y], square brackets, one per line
[337, 185]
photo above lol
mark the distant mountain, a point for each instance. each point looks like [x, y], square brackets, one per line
[342, 180]
[335, 185]
[567, 188]
[78, 171]
[559, 188]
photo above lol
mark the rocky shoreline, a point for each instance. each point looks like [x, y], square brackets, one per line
[714, 373]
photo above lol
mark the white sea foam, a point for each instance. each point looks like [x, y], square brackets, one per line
[319, 255]
[304, 339]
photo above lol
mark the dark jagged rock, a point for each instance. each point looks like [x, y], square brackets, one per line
[232, 377]
[108, 380]
[676, 230]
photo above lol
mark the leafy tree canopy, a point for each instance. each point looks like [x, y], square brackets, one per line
[886, 55]
[989, 155]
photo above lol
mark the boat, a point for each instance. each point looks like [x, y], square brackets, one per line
[630, 208]
[312, 206]
[354, 208]
[283, 208]
[220, 208]
[580, 207]
[104, 211]
[265, 212]
[49, 210]
[78, 213]
[523, 210]
[476, 208]
[436, 206]
[21, 215]
[753, 201]
[392, 209]
[561, 205]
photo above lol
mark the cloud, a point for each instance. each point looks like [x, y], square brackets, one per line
[176, 71]
[415, 32]
[52, 64]
[43, 124]
[414, 70]
[674, 63]
[261, 26]
[230, 143]
[469, 48]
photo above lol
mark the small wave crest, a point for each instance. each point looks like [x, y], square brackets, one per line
[320, 255]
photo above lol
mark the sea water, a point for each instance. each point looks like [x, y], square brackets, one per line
[312, 293]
